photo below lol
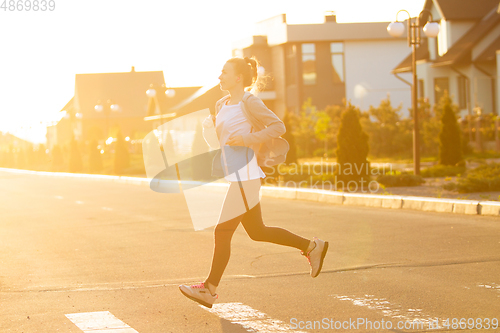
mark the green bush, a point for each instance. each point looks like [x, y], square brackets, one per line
[401, 179]
[443, 171]
[484, 178]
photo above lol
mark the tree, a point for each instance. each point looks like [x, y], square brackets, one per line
[200, 167]
[21, 159]
[291, 156]
[324, 130]
[388, 133]
[41, 155]
[352, 149]
[429, 128]
[95, 157]
[450, 149]
[304, 129]
[30, 156]
[335, 113]
[57, 158]
[75, 157]
[10, 157]
[122, 158]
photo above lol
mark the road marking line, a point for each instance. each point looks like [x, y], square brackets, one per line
[79, 202]
[107, 208]
[99, 322]
[252, 320]
[59, 197]
[390, 309]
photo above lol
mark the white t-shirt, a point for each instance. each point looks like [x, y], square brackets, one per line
[231, 121]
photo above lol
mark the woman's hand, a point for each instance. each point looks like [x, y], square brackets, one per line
[208, 122]
[235, 141]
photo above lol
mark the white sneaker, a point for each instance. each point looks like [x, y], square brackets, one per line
[199, 293]
[316, 256]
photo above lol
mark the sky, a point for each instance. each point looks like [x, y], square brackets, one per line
[41, 51]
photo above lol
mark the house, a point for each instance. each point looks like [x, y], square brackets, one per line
[106, 102]
[463, 58]
[326, 62]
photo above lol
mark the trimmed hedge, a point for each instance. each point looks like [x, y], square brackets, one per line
[484, 178]
[402, 179]
[443, 171]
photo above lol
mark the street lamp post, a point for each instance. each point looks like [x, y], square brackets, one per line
[431, 29]
[479, 139]
[151, 93]
[108, 108]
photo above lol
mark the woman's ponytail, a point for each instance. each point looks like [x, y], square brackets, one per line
[253, 68]
[248, 68]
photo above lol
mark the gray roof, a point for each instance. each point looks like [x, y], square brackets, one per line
[463, 9]
[490, 53]
[128, 90]
[460, 52]
[69, 106]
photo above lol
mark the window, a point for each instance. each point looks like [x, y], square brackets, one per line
[441, 85]
[309, 63]
[462, 92]
[337, 55]
[291, 64]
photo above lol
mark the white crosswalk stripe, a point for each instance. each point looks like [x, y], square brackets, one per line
[251, 319]
[99, 322]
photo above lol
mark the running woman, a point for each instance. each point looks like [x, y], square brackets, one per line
[233, 129]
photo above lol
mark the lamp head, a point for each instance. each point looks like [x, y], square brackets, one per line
[396, 29]
[115, 108]
[170, 93]
[431, 29]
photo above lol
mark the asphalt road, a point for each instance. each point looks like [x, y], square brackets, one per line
[70, 247]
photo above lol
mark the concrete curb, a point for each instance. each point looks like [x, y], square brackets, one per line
[469, 207]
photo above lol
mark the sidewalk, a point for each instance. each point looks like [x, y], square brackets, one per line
[459, 206]
[432, 188]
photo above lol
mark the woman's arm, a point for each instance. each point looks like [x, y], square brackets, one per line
[274, 126]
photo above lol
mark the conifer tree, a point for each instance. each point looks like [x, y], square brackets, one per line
[57, 158]
[30, 157]
[352, 149]
[95, 158]
[10, 158]
[450, 149]
[41, 155]
[75, 157]
[21, 159]
[122, 158]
